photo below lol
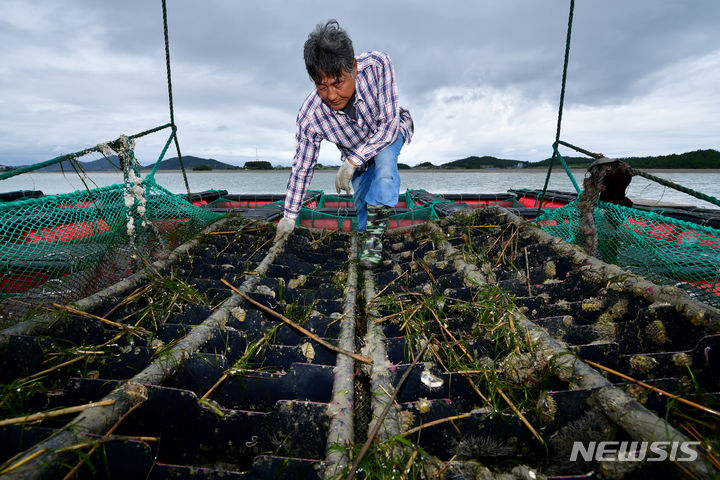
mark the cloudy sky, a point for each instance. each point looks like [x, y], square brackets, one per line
[479, 77]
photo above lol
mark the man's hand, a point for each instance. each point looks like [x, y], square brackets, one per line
[284, 229]
[344, 175]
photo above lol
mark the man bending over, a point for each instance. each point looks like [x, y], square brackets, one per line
[355, 106]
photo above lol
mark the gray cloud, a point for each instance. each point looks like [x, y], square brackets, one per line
[479, 77]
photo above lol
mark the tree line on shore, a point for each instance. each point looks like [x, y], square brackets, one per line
[697, 159]
[709, 159]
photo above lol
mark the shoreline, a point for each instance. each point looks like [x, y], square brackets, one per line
[402, 172]
[449, 170]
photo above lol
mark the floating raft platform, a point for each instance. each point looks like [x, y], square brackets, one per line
[176, 375]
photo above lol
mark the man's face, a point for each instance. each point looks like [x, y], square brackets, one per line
[337, 91]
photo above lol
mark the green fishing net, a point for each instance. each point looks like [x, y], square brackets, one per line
[319, 213]
[59, 248]
[662, 249]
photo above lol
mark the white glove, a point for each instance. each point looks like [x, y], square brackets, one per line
[284, 228]
[344, 175]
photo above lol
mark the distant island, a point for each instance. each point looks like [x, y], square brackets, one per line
[709, 159]
[112, 163]
[697, 159]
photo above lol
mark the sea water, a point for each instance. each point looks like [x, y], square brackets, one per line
[436, 181]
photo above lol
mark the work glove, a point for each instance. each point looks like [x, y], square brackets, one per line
[284, 228]
[344, 175]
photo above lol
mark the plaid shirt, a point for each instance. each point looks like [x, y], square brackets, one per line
[379, 120]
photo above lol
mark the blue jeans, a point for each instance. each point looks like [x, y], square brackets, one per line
[379, 184]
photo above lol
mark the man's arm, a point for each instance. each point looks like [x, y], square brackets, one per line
[388, 120]
[306, 154]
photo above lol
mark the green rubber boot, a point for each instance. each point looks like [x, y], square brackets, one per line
[371, 254]
[377, 220]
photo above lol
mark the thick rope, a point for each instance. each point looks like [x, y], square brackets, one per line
[562, 102]
[680, 188]
[170, 95]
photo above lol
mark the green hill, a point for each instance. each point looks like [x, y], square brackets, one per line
[425, 165]
[102, 165]
[697, 159]
[258, 165]
[191, 163]
[112, 164]
[483, 162]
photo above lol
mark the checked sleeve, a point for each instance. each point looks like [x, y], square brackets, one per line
[306, 155]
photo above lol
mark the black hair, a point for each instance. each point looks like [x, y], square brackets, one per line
[328, 51]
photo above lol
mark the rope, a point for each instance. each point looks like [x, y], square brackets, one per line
[556, 153]
[170, 95]
[567, 169]
[37, 166]
[562, 102]
[71, 156]
[635, 171]
[680, 188]
[162, 154]
[596, 156]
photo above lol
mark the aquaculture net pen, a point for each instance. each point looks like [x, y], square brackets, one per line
[58, 248]
[665, 250]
